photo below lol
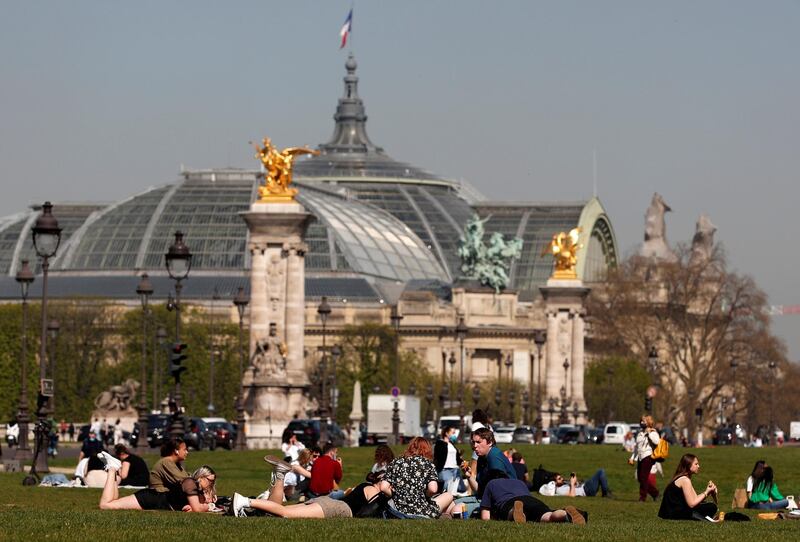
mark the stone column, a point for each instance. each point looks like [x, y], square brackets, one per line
[294, 308]
[552, 368]
[577, 364]
[259, 317]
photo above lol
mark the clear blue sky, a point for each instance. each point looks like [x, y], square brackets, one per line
[697, 100]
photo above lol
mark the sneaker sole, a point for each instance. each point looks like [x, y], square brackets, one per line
[519, 514]
[275, 462]
[574, 516]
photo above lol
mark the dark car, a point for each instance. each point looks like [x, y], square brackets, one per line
[199, 436]
[157, 429]
[524, 434]
[308, 432]
[224, 432]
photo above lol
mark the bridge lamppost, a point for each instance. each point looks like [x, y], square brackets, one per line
[324, 311]
[452, 362]
[772, 366]
[539, 338]
[24, 278]
[179, 262]
[240, 301]
[53, 327]
[396, 318]
[46, 239]
[144, 289]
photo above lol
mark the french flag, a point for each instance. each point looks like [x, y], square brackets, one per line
[346, 28]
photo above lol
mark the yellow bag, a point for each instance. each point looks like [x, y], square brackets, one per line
[661, 451]
[739, 498]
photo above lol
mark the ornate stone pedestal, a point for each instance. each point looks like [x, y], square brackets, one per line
[275, 382]
[564, 307]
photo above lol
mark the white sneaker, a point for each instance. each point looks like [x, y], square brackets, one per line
[111, 462]
[792, 505]
[279, 466]
[239, 504]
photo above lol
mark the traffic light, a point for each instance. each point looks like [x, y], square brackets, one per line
[177, 355]
[648, 404]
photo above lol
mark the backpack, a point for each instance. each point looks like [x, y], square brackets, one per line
[661, 451]
[542, 476]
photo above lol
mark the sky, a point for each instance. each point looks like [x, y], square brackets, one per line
[696, 100]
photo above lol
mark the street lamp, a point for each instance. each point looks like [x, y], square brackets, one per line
[240, 301]
[429, 399]
[24, 278]
[734, 365]
[144, 290]
[161, 337]
[452, 362]
[46, 239]
[396, 318]
[562, 417]
[772, 366]
[324, 310]
[551, 409]
[476, 396]
[526, 405]
[336, 353]
[575, 412]
[179, 262]
[212, 355]
[462, 330]
[53, 327]
[539, 338]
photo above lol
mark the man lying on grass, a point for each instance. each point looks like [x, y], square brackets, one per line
[509, 500]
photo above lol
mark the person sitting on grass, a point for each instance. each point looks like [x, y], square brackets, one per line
[134, 470]
[365, 500]
[589, 488]
[764, 494]
[509, 500]
[491, 461]
[519, 466]
[680, 501]
[296, 482]
[197, 492]
[383, 456]
[411, 481]
[326, 472]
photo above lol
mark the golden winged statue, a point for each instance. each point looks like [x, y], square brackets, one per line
[564, 248]
[278, 171]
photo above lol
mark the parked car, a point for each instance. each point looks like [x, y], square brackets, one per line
[614, 432]
[224, 431]
[504, 435]
[558, 433]
[723, 436]
[199, 436]
[524, 434]
[157, 429]
[596, 435]
[308, 432]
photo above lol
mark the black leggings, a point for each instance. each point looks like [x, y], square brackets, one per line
[704, 509]
[534, 508]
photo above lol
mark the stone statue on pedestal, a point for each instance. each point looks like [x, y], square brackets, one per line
[655, 232]
[269, 359]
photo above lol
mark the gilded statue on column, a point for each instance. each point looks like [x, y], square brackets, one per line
[278, 171]
[564, 248]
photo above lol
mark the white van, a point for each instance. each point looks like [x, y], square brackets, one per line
[614, 432]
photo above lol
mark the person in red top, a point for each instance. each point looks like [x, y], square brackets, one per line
[326, 472]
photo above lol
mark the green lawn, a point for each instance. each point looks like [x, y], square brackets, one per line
[72, 514]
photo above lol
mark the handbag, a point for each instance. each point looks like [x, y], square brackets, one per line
[739, 498]
[661, 451]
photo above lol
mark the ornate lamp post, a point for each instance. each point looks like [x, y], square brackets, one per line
[396, 318]
[429, 399]
[772, 366]
[46, 239]
[179, 262]
[551, 409]
[53, 327]
[512, 401]
[652, 368]
[240, 301]
[161, 337]
[497, 398]
[526, 405]
[24, 278]
[462, 330]
[336, 353]
[734, 365]
[212, 355]
[562, 417]
[575, 412]
[144, 290]
[476, 396]
[324, 310]
[452, 362]
[539, 338]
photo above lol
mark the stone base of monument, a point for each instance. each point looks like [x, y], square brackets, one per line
[268, 410]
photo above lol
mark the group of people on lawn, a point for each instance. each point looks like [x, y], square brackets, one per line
[423, 482]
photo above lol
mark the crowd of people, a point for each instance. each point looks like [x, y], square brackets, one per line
[424, 481]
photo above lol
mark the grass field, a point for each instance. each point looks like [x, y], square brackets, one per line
[28, 513]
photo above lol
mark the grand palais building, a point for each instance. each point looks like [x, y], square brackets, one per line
[386, 233]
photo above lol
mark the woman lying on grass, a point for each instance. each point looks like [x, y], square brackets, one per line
[365, 500]
[680, 501]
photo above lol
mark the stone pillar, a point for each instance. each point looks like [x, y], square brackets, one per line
[564, 299]
[577, 366]
[552, 376]
[275, 382]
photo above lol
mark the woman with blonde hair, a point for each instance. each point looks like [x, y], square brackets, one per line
[646, 441]
[411, 480]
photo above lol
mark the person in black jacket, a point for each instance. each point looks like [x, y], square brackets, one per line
[447, 459]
